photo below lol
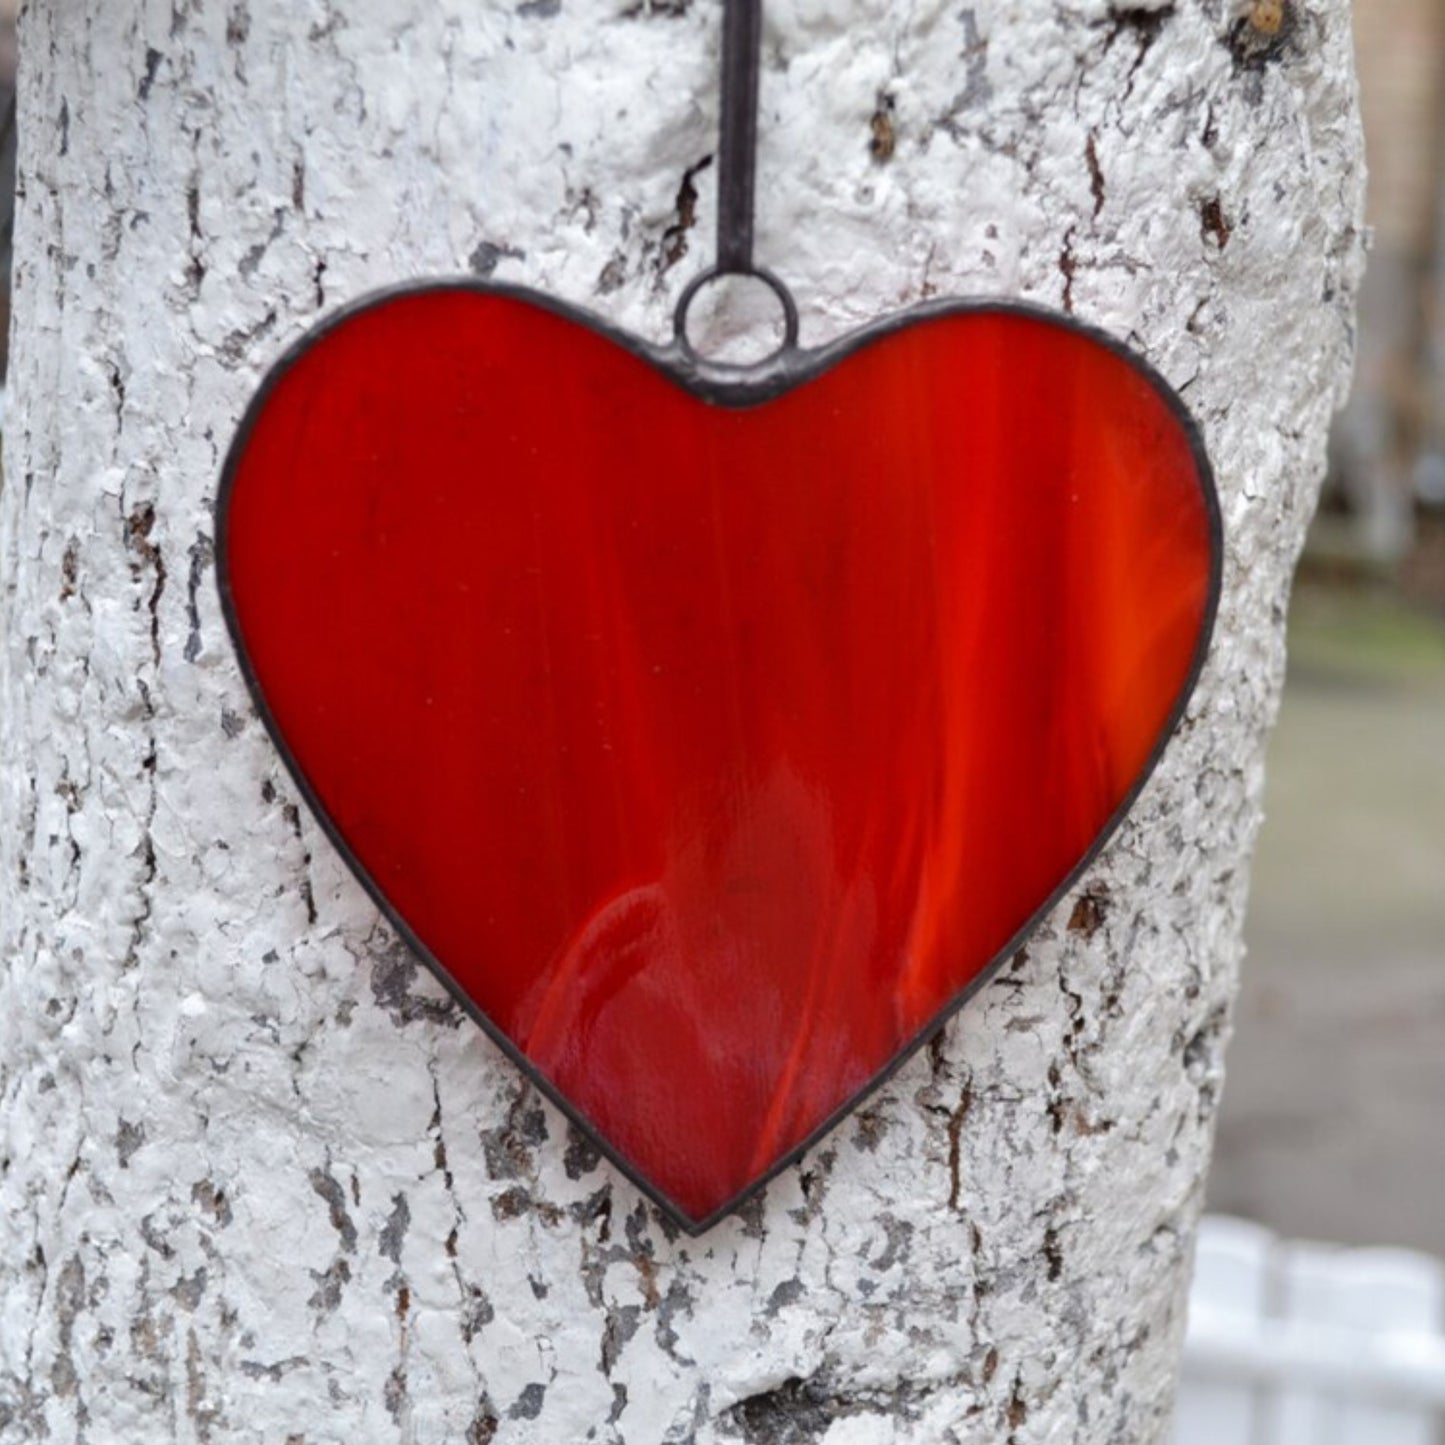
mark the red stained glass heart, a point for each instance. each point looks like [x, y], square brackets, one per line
[712, 752]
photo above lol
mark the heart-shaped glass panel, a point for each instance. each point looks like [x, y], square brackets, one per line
[713, 742]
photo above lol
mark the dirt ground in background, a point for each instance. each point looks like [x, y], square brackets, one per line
[1333, 1120]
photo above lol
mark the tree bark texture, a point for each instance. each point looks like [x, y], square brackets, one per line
[260, 1180]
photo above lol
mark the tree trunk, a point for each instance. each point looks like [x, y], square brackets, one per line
[260, 1179]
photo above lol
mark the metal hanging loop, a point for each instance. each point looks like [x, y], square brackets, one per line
[713, 273]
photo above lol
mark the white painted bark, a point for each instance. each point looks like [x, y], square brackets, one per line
[260, 1181]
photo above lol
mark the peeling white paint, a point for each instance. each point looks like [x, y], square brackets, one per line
[259, 1182]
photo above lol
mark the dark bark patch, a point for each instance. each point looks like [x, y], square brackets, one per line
[621, 1324]
[514, 1203]
[814, 1183]
[674, 238]
[202, 553]
[582, 1155]
[274, 1372]
[955, 1148]
[326, 1186]
[1053, 1254]
[1209, 136]
[898, 1234]
[487, 256]
[329, 1283]
[483, 1429]
[1096, 174]
[1202, 1049]
[1144, 22]
[393, 1394]
[509, 1148]
[797, 1412]
[1068, 269]
[237, 346]
[1089, 1128]
[1018, 1410]
[528, 1404]
[883, 133]
[613, 275]
[869, 1127]
[478, 1314]
[205, 1195]
[647, 1277]
[789, 1292]
[238, 25]
[393, 1232]
[202, 1408]
[635, 1229]
[392, 975]
[188, 1292]
[128, 1139]
[69, 570]
[154, 1238]
[1090, 911]
[666, 1225]
[1213, 224]
[148, 78]
[677, 1301]
[69, 1302]
[138, 528]
[619, 1404]
[595, 1209]
[936, 1059]
[511, 1204]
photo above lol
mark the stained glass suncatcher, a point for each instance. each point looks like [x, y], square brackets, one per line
[714, 743]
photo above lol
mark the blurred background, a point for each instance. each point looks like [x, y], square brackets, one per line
[1333, 1115]
[1333, 1119]
[1317, 1314]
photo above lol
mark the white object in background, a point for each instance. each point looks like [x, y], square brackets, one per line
[1230, 1260]
[1310, 1344]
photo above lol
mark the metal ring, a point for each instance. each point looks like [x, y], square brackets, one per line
[785, 299]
